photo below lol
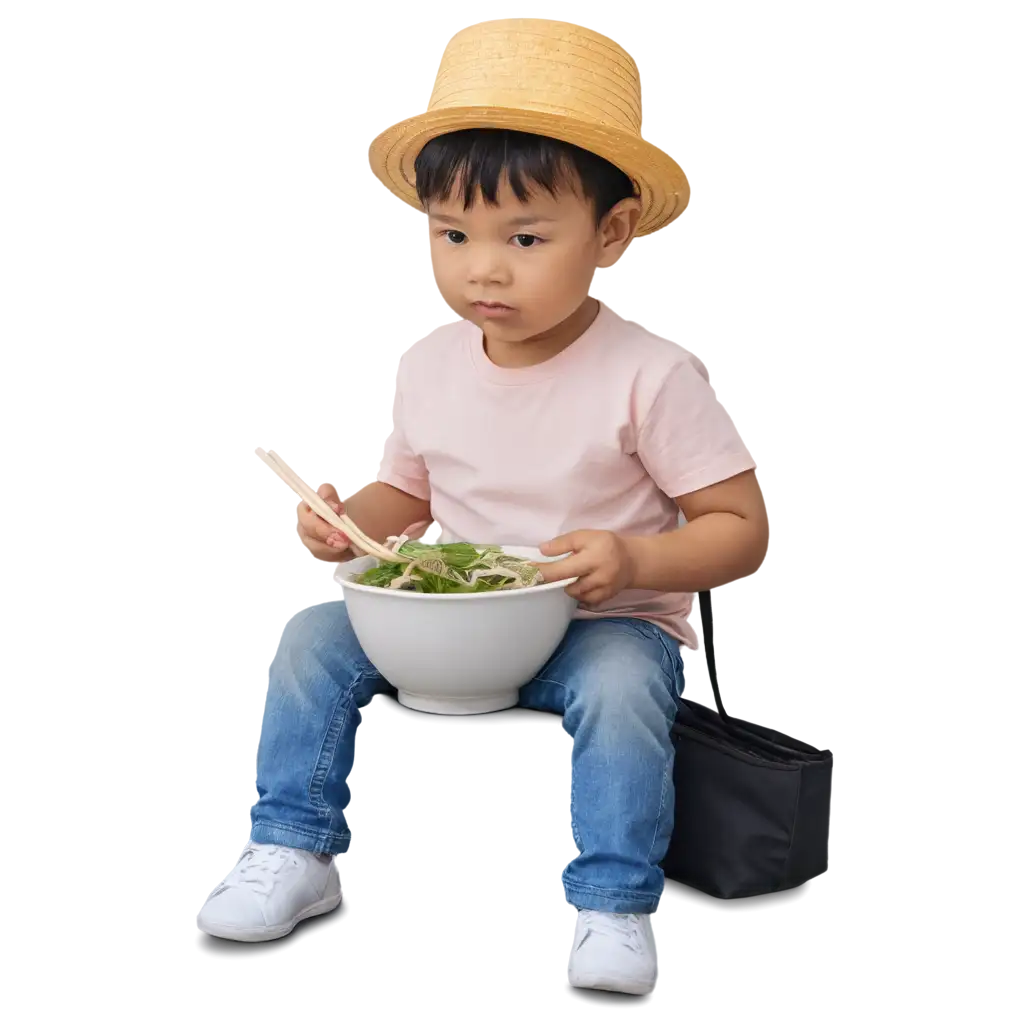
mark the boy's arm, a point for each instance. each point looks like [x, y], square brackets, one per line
[383, 511]
[724, 539]
[689, 445]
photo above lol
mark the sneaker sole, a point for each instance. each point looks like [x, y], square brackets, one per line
[278, 931]
[604, 983]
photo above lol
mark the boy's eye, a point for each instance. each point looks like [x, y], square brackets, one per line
[526, 241]
[459, 238]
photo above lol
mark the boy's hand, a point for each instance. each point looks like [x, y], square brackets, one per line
[322, 539]
[602, 560]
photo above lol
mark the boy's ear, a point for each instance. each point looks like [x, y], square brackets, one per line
[617, 230]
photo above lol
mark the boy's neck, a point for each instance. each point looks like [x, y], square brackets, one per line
[517, 355]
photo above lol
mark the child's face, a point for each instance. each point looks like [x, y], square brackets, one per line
[536, 258]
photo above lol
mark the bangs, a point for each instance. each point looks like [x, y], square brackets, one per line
[479, 159]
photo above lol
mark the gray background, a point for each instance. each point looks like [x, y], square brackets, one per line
[189, 259]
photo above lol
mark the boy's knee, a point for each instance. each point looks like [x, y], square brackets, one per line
[314, 627]
[318, 652]
[309, 621]
[627, 685]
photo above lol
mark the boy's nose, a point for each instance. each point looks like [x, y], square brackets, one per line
[488, 268]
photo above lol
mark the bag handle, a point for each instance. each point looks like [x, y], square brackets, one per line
[707, 626]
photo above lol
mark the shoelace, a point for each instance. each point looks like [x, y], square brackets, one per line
[260, 867]
[624, 928]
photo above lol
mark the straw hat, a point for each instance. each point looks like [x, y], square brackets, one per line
[546, 77]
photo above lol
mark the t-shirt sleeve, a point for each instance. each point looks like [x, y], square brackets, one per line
[687, 440]
[401, 467]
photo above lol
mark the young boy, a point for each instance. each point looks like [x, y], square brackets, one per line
[540, 417]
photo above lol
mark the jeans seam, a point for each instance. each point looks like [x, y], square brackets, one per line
[665, 777]
[668, 667]
[329, 749]
[670, 658]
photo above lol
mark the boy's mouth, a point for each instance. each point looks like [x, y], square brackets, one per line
[492, 308]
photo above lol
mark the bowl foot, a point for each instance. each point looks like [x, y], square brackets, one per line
[459, 705]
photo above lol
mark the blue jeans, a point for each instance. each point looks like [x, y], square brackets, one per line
[613, 681]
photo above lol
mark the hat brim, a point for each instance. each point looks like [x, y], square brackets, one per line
[664, 190]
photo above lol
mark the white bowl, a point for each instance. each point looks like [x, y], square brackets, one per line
[457, 654]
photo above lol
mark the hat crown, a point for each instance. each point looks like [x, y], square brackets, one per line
[547, 78]
[551, 67]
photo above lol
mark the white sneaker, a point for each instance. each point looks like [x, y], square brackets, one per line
[268, 892]
[614, 952]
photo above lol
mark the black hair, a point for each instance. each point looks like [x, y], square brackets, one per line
[479, 157]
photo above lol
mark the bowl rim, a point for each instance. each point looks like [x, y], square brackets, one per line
[343, 572]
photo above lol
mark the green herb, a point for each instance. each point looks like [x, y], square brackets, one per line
[452, 569]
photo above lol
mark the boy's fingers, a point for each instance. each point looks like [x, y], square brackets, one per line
[566, 569]
[586, 594]
[328, 493]
[317, 531]
[319, 549]
[313, 524]
[564, 545]
[316, 547]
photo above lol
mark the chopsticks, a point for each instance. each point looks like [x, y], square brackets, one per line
[278, 467]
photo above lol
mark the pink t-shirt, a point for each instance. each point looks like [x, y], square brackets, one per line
[603, 436]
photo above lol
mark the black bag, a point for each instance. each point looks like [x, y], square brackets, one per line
[752, 805]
